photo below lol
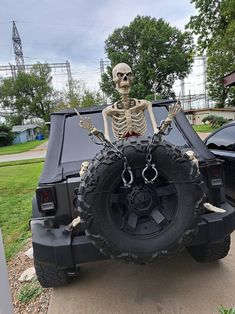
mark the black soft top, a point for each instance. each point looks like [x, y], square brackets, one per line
[69, 145]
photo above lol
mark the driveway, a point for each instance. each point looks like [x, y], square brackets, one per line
[38, 152]
[176, 286]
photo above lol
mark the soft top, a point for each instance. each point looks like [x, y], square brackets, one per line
[69, 145]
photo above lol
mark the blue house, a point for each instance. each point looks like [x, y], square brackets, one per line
[25, 133]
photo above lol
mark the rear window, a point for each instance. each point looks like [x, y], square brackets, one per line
[77, 145]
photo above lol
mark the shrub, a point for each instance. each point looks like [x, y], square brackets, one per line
[6, 136]
[215, 121]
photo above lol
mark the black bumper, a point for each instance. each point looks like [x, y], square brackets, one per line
[53, 246]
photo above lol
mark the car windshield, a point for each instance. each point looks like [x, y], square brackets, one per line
[77, 145]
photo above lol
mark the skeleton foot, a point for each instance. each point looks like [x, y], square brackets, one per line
[213, 208]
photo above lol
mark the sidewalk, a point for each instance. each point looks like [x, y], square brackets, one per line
[38, 152]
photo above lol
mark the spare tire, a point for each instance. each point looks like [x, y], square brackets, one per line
[147, 221]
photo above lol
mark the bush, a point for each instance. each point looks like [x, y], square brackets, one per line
[6, 136]
[215, 121]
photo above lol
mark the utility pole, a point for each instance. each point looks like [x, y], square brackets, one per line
[190, 99]
[155, 90]
[70, 80]
[103, 65]
[204, 65]
[18, 51]
[182, 87]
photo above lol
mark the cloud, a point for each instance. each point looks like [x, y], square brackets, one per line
[55, 31]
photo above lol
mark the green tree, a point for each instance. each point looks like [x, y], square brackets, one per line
[215, 27]
[28, 95]
[6, 136]
[79, 96]
[157, 53]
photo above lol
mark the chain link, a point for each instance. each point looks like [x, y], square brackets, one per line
[127, 172]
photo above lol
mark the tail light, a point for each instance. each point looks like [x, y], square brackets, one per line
[46, 199]
[216, 175]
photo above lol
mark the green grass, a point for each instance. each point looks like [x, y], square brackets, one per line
[20, 148]
[21, 162]
[204, 128]
[17, 186]
[29, 291]
[223, 310]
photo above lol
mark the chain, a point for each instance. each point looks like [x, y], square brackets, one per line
[150, 173]
[85, 122]
[127, 174]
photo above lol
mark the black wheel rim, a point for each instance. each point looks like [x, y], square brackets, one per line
[144, 210]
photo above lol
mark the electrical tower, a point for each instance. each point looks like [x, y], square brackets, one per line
[18, 51]
[103, 66]
[21, 66]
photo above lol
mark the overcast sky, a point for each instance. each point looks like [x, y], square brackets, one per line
[75, 30]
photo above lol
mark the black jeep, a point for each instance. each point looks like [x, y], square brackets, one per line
[138, 223]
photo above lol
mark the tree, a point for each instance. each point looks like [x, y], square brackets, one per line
[79, 96]
[6, 136]
[215, 27]
[29, 95]
[157, 53]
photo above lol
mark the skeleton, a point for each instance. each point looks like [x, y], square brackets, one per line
[127, 115]
[128, 119]
[84, 167]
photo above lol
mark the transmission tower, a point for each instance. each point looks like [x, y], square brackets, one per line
[17, 46]
[103, 66]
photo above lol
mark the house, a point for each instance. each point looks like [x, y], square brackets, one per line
[229, 80]
[195, 116]
[25, 133]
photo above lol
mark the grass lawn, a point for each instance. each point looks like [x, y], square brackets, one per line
[17, 186]
[21, 162]
[204, 128]
[20, 148]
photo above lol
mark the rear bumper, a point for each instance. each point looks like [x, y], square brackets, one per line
[53, 246]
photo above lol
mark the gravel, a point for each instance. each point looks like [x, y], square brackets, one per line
[15, 267]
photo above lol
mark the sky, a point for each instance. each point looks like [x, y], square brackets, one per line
[75, 30]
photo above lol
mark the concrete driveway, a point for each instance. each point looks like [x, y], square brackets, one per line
[176, 286]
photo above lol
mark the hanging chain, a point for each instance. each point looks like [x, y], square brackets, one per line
[150, 173]
[127, 174]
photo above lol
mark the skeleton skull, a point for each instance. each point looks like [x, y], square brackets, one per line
[84, 167]
[122, 77]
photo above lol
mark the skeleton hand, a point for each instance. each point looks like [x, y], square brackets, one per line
[173, 110]
[86, 123]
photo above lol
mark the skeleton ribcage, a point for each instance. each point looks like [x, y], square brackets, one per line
[128, 122]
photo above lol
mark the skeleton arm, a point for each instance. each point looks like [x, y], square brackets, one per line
[173, 110]
[151, 114]
[86, 123]
[106, 128]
